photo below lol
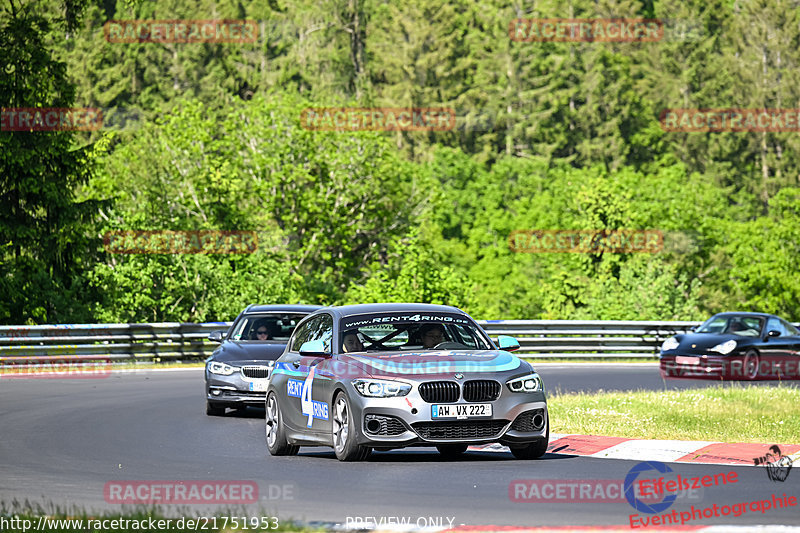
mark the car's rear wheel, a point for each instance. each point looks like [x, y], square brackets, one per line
[751, 362]
[451, 450]
[212, 409]
[344, 432]
[275, 431]
[535, 449]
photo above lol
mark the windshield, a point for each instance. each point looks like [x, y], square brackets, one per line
[266, 327]
[744, 326]
[398, 332]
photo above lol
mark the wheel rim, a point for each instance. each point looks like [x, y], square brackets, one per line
[340, 424]
[272, 421]
[751, 365]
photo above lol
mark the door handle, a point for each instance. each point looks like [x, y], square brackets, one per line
[296, 364]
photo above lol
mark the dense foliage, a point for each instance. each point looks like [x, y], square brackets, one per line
[549, 135]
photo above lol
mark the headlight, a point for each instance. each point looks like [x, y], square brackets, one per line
[669, 344]
[379, 388]
[221, 368]
[529, 383]
[724, 348]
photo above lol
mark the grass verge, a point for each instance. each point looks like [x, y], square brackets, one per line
[733, 413]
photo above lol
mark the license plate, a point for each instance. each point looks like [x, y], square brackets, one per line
[461, 410]
[259, 385]
[683, 360]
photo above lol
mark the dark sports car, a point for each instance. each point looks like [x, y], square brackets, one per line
[236, 373]
[384, 376]
[746, 346]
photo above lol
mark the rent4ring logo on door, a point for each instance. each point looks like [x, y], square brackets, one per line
[302, 389]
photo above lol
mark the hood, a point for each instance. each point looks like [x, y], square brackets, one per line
[426, 364]
[700, 343]
[241, 352]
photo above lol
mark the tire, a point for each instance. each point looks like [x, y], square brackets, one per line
[343, 430]
[451, 450]
[213, 409]
[750, 365]
[274, 430]
[536, 449]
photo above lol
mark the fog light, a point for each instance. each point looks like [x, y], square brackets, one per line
[373, 426]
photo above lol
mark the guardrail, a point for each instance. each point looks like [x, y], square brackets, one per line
[541, 339]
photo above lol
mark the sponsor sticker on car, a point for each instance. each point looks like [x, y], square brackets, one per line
[461, 411]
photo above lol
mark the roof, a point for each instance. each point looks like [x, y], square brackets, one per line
[364, 309]
[284, 308]
[744, 313]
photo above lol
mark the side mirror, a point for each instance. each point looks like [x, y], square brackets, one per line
[216, 336]
[507, 343]
[773, 333]
[316, 347]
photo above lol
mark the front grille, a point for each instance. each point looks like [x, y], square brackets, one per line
[524, 422]
[389, 425]
[439, 391]
[481, 390]
[460, 429]
[255, 371]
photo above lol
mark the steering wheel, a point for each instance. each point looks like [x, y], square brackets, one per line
[447, 345]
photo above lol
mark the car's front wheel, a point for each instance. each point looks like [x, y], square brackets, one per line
[275, 432]
[751, 364]
[535, 449]
[344, 432]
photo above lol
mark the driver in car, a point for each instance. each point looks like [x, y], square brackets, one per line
[432, 335]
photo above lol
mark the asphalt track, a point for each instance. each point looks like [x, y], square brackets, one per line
[64, 439]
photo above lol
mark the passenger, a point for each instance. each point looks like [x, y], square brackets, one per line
[432, 334]
[351, 342]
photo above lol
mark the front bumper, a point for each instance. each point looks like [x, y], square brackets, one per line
[238, 388]
[517, 419]
[699, 366]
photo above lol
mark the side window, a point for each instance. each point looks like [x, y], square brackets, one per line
[305, 332]
[790, 329]
[774, 323]
[318, 328]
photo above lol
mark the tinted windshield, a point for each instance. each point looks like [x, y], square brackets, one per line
[266, 327]
[745, 326]
[410, 332]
